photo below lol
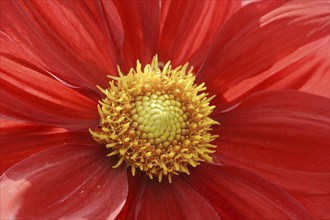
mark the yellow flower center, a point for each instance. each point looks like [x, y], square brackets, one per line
[156, 120]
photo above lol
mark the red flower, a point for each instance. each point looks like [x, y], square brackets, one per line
[273, 155]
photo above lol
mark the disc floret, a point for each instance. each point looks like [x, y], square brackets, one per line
[156, 120]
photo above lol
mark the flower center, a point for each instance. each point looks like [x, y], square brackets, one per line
[159, 118]
[156, 120]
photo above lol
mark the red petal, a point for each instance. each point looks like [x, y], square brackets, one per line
[19, 140]
[64, 182]
[305, 70]
[177, 200]
[73, 40]
[273, 36]
[27, 94]
[141, 27]
[246, 2]
[283, 136]
[188, 28]
[238, 194]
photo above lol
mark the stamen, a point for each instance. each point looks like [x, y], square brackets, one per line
[156, 120]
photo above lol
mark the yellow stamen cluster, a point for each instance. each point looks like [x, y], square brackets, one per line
[156, 120]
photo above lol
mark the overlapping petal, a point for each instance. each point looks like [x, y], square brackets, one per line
[306, 69]
[188, 28]
[45, 100]
[72, 40]
[140, 21]
[283, 136]
[18, 140]
[68, 181]
[177, 200]
[238, 194]
[268, 40]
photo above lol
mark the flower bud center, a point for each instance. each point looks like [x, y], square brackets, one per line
[159, 118]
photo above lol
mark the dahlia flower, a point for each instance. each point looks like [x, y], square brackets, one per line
[242, 135]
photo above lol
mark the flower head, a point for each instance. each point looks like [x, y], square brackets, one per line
[156, 120]
[261, 71]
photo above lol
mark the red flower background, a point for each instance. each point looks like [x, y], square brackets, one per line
[267, 63]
